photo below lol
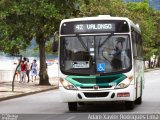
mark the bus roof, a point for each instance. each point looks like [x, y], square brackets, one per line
[103, 17]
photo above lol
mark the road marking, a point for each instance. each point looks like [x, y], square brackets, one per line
[70, 118]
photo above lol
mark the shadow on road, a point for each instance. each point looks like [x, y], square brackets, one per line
[103, 107]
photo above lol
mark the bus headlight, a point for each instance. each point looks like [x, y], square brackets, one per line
[67, 85]
[125, 83]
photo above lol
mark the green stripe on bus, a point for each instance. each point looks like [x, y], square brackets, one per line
[89, 81]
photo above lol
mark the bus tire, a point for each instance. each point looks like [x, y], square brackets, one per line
[72, 106]
[129, 105]
[139, 100]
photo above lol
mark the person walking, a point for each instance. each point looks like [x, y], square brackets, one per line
[23, 71]
[27, 69]
[34, 70]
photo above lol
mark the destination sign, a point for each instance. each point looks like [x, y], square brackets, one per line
[100, 27]
[94, 26]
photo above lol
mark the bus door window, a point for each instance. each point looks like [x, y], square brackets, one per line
[120, 58]
[103, 48]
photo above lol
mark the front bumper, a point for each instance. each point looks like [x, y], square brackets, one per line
[97, 95]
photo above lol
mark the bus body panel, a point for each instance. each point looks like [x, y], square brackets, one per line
[137, 71]
[72, 95]
[139, 77]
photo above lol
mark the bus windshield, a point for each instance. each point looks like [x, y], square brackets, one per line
[95, 54]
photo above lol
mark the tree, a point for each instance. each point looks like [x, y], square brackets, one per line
[103, 7]
[11, 36]
[142, 14]
[23, 20]
[138, 12]
[156, 37]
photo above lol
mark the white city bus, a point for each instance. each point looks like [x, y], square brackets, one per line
[100, 60]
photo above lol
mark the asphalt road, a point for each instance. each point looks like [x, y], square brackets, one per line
[48, 106]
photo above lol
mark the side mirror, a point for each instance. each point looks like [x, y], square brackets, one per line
[55, 42]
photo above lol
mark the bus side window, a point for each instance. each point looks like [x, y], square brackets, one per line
[133, 35]
[140, 48]
[137, 45]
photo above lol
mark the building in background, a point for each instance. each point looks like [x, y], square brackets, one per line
[152, 3]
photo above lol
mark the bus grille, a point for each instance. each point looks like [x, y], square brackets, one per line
[91, 87]
[96, 94]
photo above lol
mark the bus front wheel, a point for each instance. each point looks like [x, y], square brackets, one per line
[139, 100]
[129, 105]
[72, 106]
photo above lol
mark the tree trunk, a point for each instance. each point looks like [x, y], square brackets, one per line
[155, 61]
[44, 79]
[158, 62]
[149, 63]
[15, 73]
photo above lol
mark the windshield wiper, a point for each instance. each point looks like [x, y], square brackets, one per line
[106, 40]
[100, 45]
[82, 43]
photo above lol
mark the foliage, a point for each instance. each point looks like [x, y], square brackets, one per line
[141, 13]
[11, 29]
[138, 12]
[23, 20]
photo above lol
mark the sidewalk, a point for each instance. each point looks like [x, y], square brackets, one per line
[22, 89]
[151, 69]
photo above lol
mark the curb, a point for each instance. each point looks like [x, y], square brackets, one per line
[148, 70]
[29, 93]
